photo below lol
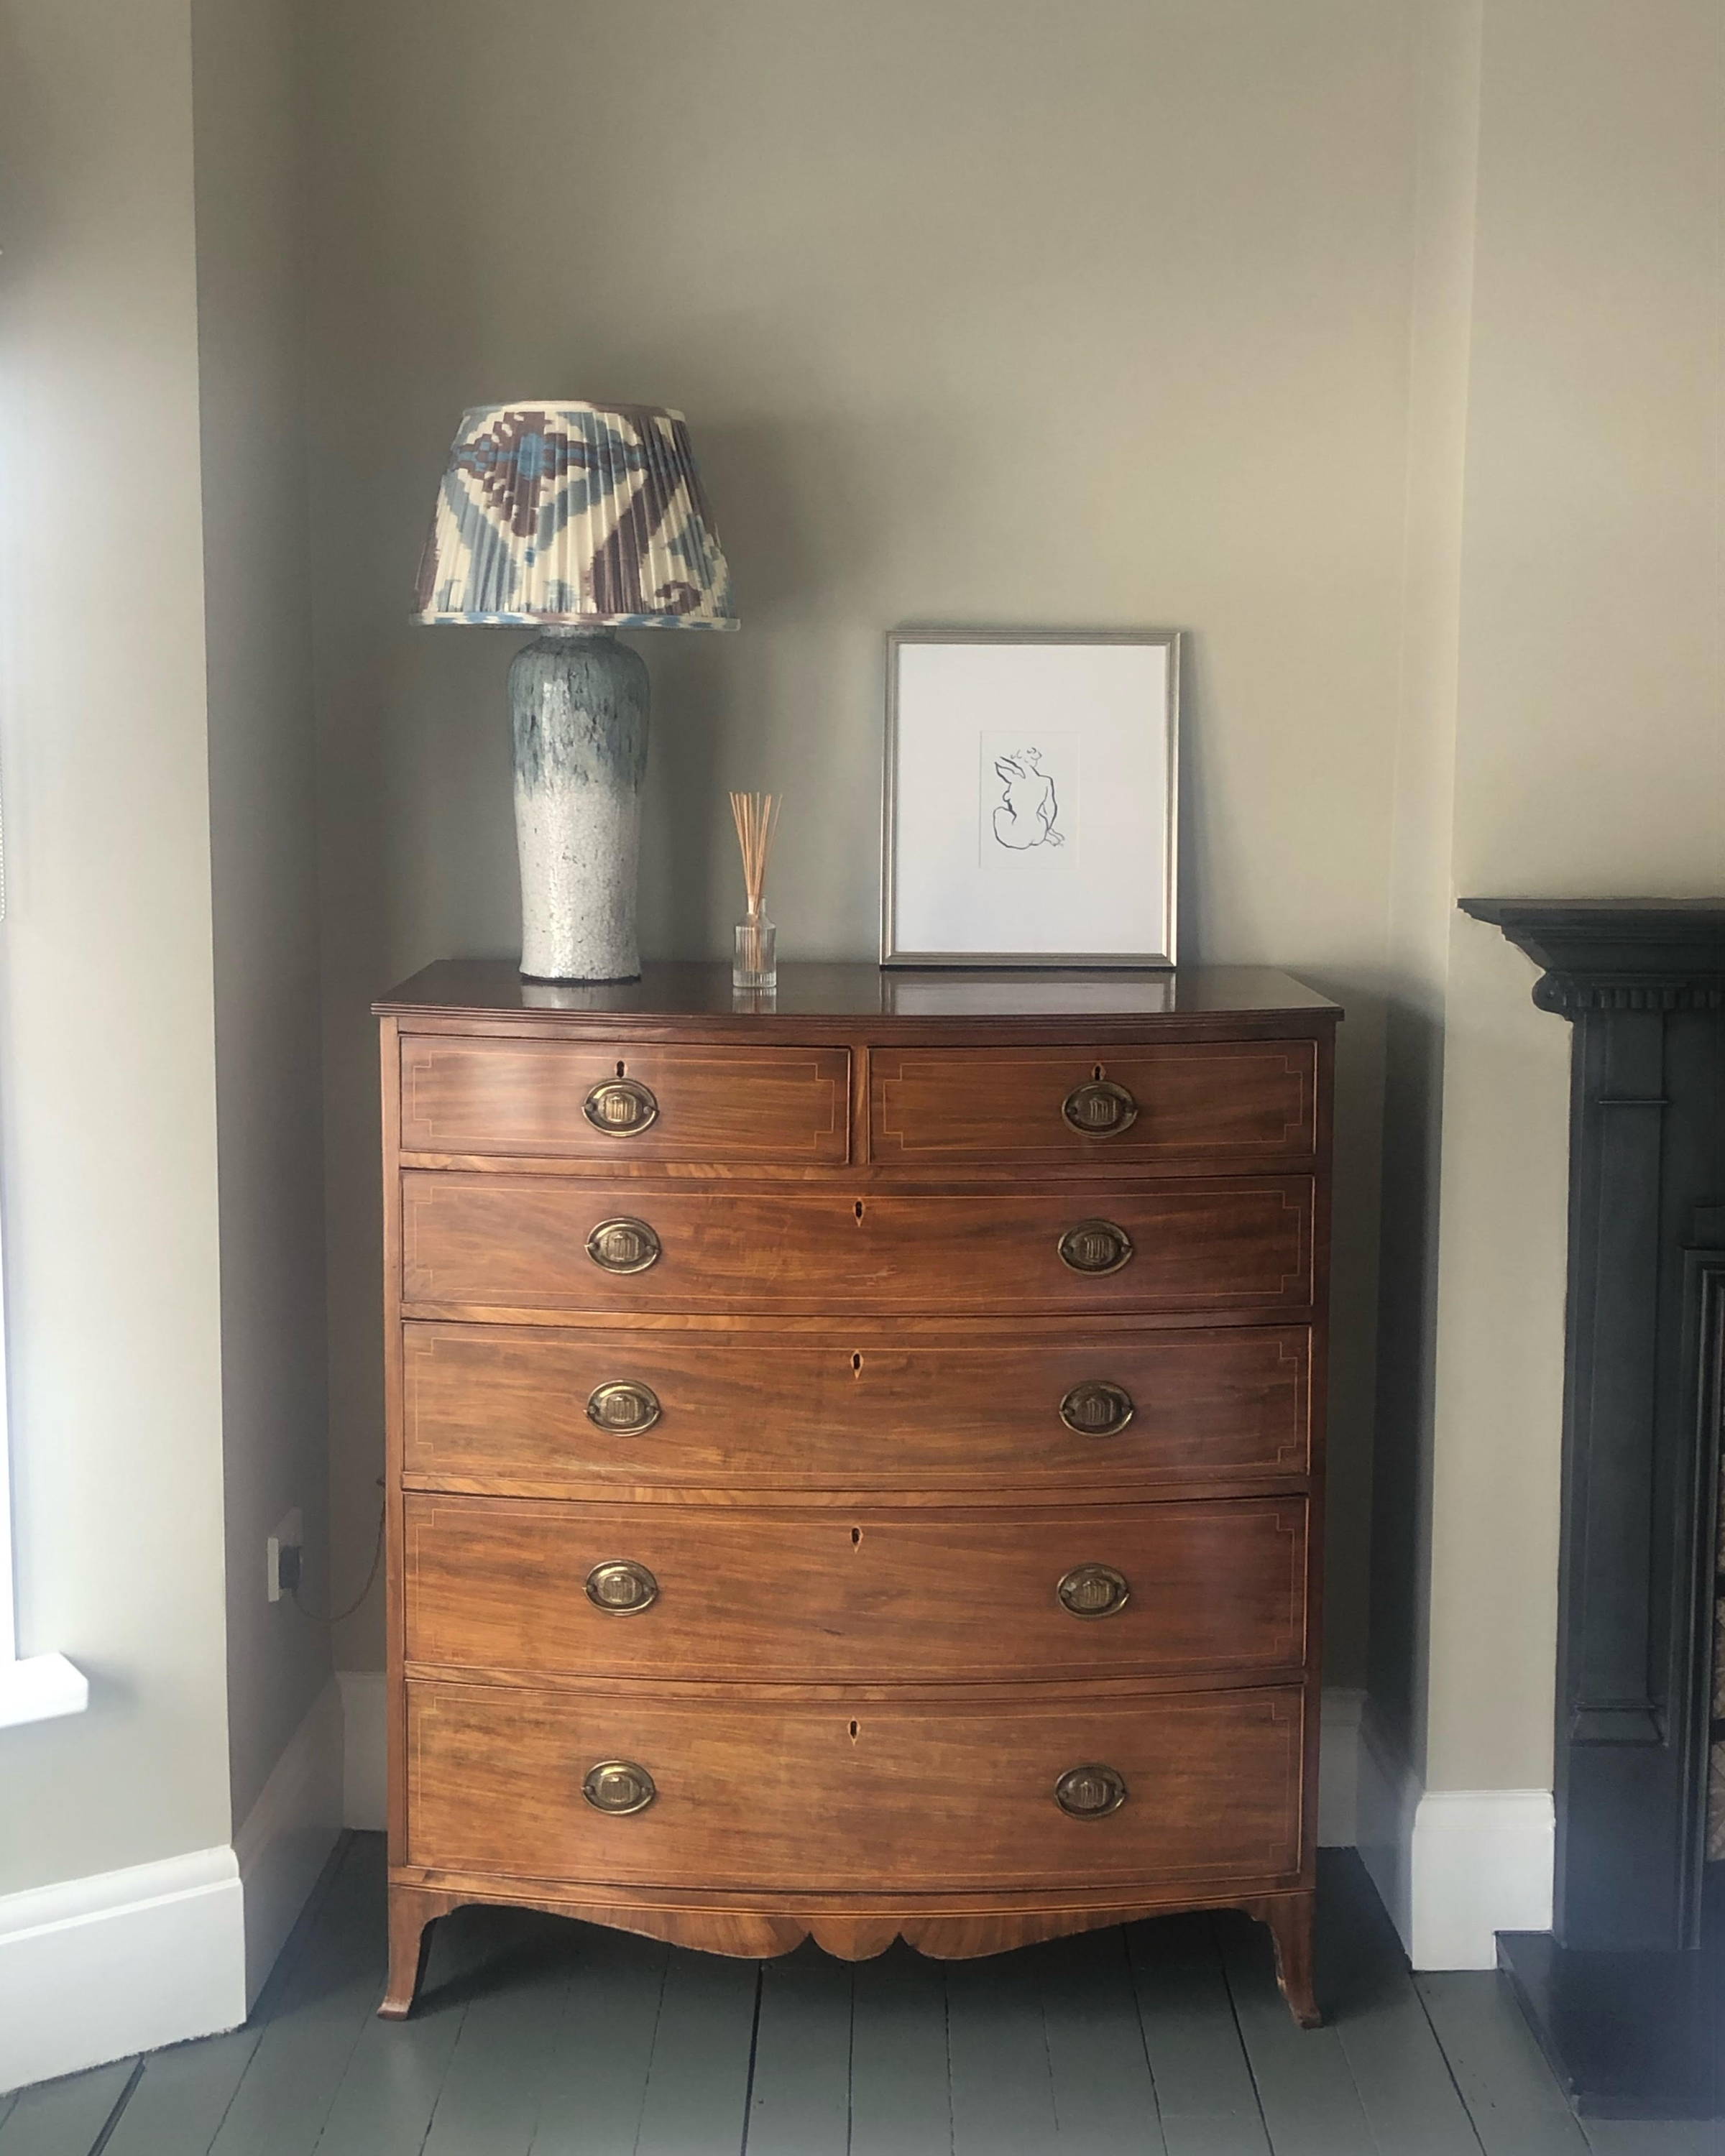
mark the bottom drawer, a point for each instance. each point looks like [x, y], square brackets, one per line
[853, 1797]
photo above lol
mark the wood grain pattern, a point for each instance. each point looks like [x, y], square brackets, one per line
[470, 1241]
[720, 1103]
[504, 1408]
[793, 1596]
[1237, 1103]
[757, 1793]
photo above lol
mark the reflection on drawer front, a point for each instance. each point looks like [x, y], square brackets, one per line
[1246, 1101]
[504, 1405]
[853, 1797]
[607, 1590]
[596, 1101]
[553, 1243]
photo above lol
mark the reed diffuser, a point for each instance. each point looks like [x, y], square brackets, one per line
[756, 965]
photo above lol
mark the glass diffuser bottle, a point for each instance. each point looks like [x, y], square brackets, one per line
[756, 964]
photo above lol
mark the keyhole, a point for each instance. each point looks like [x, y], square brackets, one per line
[856, 1365]
[619, 1069]
[855, 1537]
[1095, 1070]
[859, 1208]
[853, 1731]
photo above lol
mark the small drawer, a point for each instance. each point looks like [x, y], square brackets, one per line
[616, 1102]
[853, 1797]
[551, 1244]
[1176, 1589]
[1233, 1103]
[540, 1411]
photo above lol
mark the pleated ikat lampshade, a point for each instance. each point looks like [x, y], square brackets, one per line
[562, 511]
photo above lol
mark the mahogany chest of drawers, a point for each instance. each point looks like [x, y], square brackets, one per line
[855, 1460]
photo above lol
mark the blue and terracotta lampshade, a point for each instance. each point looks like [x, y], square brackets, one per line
[592, 515]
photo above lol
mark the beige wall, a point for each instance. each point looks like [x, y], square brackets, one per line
[1002, 313]
[107, 1070]
[1563, 735]
[246, 75]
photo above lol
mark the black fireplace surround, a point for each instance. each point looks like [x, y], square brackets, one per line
[1627, 1991]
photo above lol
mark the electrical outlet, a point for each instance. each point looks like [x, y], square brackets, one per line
[281, 1555]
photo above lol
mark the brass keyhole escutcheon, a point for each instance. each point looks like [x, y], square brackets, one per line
[625, 1407]
[623, 1246]
[620, 1107]
[1096, 1246]
[1094, 1590]
[1089, 1792]
[622, 1587]
[619, 1787]
[1096, 1409]
[1099, 1108]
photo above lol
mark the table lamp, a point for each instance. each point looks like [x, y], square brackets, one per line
[576, 520]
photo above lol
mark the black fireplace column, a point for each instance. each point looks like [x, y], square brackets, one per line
[1624, 1991]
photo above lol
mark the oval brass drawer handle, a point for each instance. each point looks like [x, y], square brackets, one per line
[618, 1786]
[623, 1246]
[1096, 1246]
[1094, 1590]
[626, 1406]
[620, 1107]
[622, 1587]
[1096, 1409]
[1088, 1793]
[1099, 1109]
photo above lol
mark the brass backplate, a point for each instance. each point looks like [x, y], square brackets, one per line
[620, 1107]
[1094, 1590]
[1099, 1109]
[618, 1786]
[1089, 1792]
[1097, 1408]
[623, 1246]
[625, 1406]
[622, 1587]
[1096, 1246]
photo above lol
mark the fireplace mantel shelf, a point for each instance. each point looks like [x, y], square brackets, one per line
[1622, 954]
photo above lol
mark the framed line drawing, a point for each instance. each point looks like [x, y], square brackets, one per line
[1030, 813]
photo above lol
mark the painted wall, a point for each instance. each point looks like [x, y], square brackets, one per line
[994, 314]
[107, 1063]
[246, 142]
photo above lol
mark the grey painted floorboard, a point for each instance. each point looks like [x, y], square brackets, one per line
[1306, 2087]
[900, 2098]
[1655, 2137]
[1517, 2108]
[489, 2102]
[697, 2083]
[1103, 2095]
[1205, 2090]
[594, 2092]
[997, 2050]
[799, 2100]
[285, 2094]
[63, 2117]
[1405, 2086]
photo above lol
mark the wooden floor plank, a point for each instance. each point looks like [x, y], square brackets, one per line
[286, 2091]
[1205, 2095]
[1306, 2087]
[997, 2051]
[597, 2081]
[697, 2084]
[63, 2117]
[901, 2096]
[799, 2096]
[1655, 2137]
[1517, 2108]
[1103, 2096]
[1405, 2086]
[489, 2102]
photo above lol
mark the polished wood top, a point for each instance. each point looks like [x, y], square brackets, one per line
[842, 993]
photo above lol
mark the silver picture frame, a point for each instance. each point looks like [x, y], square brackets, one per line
[894, 950]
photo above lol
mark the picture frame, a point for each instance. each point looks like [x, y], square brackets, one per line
[1031, 799]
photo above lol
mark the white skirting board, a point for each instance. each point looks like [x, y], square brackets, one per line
[96, 1968]
[366, 1779]
[1454, 1866]
[288, 1834]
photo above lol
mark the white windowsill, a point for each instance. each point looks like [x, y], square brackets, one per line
[40, 1687]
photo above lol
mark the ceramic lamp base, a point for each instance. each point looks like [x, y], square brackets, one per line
[578, 702]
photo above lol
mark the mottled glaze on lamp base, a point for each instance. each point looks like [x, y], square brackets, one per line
[578, 702]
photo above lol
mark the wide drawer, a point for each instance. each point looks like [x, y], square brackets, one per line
[818, 1596]
[1234, 1102]
[532, 1409]
[537, 1243]
[599, 1101]
[853, 1797]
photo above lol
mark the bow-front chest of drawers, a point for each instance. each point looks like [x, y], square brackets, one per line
[855, 1460]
